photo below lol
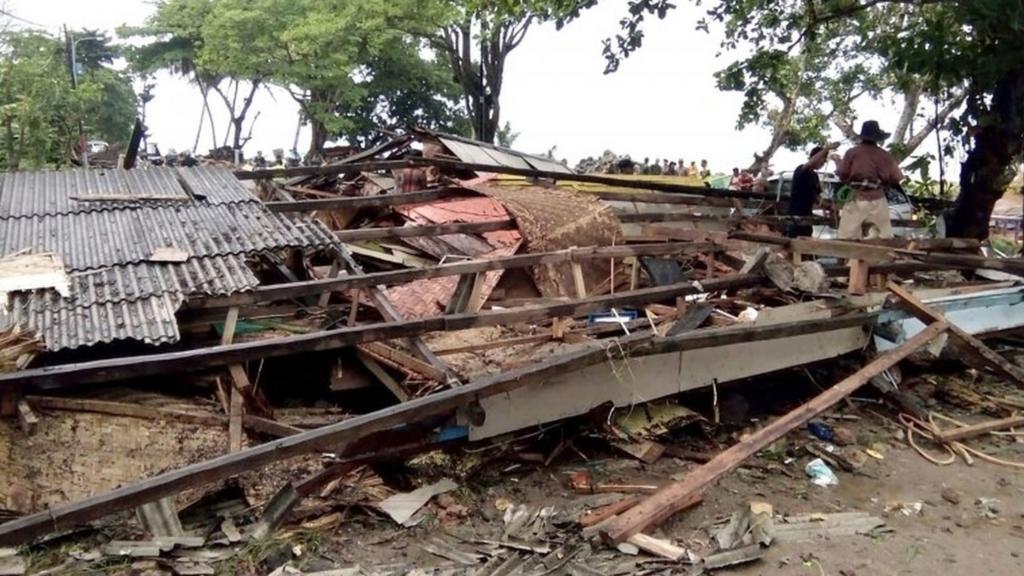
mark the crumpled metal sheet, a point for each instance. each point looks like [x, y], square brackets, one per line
[552, 219]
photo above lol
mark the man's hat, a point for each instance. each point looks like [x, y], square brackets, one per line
[872, 132]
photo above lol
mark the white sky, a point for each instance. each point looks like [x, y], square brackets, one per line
[662, 103]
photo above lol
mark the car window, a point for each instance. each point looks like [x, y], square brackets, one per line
[895, 195]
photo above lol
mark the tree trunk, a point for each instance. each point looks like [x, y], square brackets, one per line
[317, 139]
[988, 169]
[239, 120]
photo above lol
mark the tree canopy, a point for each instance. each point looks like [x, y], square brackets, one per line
[40, 112]
[345, 63]
[950, 50]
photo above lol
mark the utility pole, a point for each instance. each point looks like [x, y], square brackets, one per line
[72, 47]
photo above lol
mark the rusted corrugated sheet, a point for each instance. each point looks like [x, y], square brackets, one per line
[425, 298]
[553, 219]
[63, 325]
[89, 240]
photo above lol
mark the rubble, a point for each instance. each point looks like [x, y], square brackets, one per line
[348, 358]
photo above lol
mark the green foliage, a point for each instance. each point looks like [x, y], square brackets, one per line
[39, 110]
[349, 68]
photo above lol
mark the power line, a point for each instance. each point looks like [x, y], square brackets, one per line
[29, 22]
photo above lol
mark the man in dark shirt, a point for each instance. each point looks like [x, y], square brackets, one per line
[806, 189]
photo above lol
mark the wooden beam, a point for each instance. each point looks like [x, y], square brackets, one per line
[378, 201]
[125, 409]
[424, 230]
[188, 360]
[64, 516]
[27, 419]
[382, 375]
[402, 359]
[967, 432]
[313, 287]
[236, 403]
[668, 500]
[961, 339]
[454, 165]
[390, 313]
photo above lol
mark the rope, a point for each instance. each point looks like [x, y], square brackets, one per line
[931, 431]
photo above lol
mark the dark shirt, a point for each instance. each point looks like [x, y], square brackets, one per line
[805, 192]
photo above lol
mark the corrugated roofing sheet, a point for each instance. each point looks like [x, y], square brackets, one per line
[482, 153]
[25, 194]
[63, 325]
[213, 276]
[116, 294]
[87, 240]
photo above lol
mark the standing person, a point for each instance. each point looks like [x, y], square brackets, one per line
[869, 171]
[734, 181]
[705, 172]
[694, 171]
[807, 189]
[671, 170]
[656, 167]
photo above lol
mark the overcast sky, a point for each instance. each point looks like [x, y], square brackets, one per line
[662, 103]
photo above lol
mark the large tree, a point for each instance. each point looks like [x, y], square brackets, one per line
[339, 59]
[41, 113]
[475, 38]
[952, 49]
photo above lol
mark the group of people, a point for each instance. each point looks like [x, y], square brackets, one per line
[867, 172]
[670, 168]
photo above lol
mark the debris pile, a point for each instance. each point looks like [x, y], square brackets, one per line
[392, 343]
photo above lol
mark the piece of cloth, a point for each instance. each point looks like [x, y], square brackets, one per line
[858, 212]
[869, 170]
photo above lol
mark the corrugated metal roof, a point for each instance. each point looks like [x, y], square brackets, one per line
[215, 185]
[116, 294]
[213, 276]
[87, 240]
[482, 153]
[25, 194]
[63, 325]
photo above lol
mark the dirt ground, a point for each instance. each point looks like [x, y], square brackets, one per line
[955, 519]
[982, 532]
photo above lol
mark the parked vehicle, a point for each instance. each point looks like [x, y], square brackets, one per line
[900, 206]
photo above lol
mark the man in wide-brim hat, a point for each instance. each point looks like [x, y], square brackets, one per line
[869, 170]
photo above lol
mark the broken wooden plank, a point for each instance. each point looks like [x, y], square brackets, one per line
[125, 409]
[361, 234]
[961, 339]
[658, 547]
[454, 165]
[667, 501]
[71, 514]
[360, 280]
[235, 405]
[390, 313]
[127, 367]
[404, 360]
[962, 433]
[378, 371]
[378, 201]
[27, 419]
